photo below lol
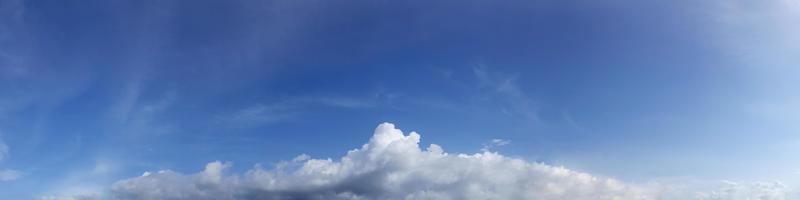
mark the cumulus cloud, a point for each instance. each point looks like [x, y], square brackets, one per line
[390, 166]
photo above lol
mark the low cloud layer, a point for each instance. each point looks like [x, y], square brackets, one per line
[393, 166]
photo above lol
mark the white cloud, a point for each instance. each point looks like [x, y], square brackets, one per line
[290, 108]
[3, 150]
[73, 197]
[9, 175]
[500, 142]
[393, 166]
[515, 101]
[260, 114]
[755, 190]
[495, 143]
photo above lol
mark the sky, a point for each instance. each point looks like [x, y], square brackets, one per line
[376, 99]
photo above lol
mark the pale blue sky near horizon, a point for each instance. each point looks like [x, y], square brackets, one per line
[95, 91]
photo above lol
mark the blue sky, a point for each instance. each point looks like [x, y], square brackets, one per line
[95, 92]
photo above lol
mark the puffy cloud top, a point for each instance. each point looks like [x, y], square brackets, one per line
[391, 166]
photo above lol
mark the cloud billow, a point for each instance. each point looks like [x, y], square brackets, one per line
[391, 166]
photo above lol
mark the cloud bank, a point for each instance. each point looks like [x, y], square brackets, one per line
[392, 165]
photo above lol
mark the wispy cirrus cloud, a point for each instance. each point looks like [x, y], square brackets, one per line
[289, 108]
[505, 89]
[495, 143]
[69, 197]
[749, 190]
[7, 174]
[3, 150]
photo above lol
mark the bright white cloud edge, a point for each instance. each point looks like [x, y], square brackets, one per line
[393, 166]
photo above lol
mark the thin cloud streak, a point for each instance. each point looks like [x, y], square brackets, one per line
[517, 102]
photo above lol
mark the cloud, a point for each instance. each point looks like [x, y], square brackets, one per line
[3, 150]
[754, 190]
[83, 183]
[516, 101]
[260, 114]
[500, 142]
[290, 108]
[11, 18]
[74, 197]
[495, 143]
[390, 166]
[7, 174]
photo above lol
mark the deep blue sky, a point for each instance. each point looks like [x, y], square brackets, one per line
[96, 91]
